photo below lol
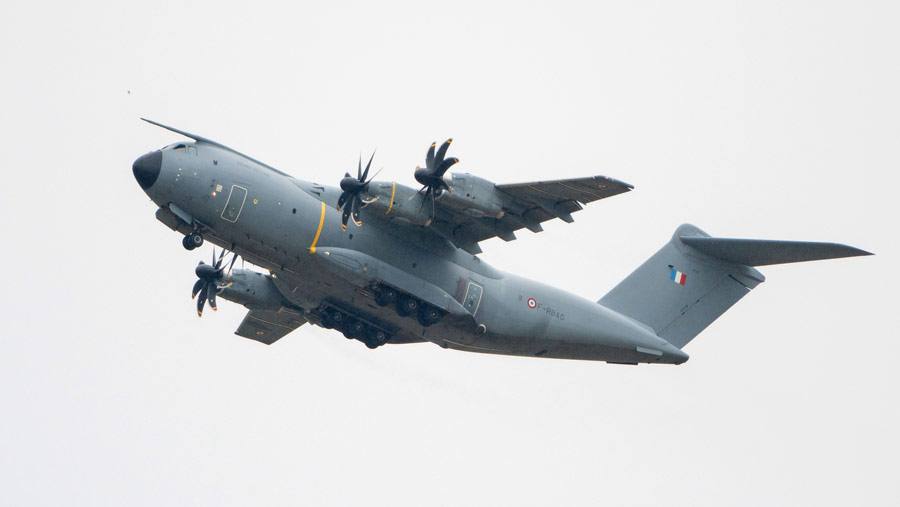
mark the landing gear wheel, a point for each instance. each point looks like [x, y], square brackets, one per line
[386, 296]
[186, 243]
[335, 319]
[428, 315]
[327, 319]
[407, 305]
[375, 338]
[195, 239]
[354, 329]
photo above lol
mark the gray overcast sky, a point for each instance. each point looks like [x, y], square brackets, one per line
[749, 119]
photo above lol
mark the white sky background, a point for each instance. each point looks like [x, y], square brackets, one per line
[760, 119]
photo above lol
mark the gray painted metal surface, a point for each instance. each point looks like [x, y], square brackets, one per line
[320, 273]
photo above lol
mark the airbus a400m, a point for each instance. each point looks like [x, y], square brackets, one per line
[407, 270]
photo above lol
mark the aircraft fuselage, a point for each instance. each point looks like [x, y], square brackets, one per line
[292, 229]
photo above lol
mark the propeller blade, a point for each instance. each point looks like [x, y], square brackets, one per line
[201, 300]
[342, 199]
[374, 175]
[365, 174]
[211, 295]
[429, 158]
[427, 193]
[197, 286]
[432, 209]
[234, 258]
[219, 262]
[359, 168]
[357, 204]
[345, 216]
[214, 257]
[447, 164]
[439, 158]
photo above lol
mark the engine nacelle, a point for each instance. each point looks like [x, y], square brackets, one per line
[254, 290]
[400, 202]
[468, 194]
[473, 196]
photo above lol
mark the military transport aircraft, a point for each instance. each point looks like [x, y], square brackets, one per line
[407, 270]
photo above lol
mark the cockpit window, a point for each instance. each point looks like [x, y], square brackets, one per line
[179, 147]
[192, 150]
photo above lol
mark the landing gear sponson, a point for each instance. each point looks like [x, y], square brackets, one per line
[407, 305]
[354, 328]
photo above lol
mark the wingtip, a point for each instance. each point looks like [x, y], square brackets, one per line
[859, 252]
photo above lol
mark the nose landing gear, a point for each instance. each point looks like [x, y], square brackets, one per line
[192, 240]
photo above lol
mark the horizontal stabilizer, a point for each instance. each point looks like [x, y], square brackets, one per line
[760, 252]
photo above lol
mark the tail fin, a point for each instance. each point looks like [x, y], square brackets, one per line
[694, 279]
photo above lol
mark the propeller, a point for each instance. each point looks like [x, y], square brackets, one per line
[350, 200]
[432, 175]
[211, 276]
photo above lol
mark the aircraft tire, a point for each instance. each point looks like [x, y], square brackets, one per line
[385, 296]
[407, 305]
[336, 319]
[327, 320]
[354, 329]
[376, 336]
[195, 239]
[186, 243]
[428, 315]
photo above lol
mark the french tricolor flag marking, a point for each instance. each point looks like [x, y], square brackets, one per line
[678, 277]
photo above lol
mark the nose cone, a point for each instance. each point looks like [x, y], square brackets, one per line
[146, 169]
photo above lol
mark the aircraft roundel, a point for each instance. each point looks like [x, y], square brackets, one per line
[532, 303]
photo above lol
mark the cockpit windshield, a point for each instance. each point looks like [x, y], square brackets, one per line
[183, 148]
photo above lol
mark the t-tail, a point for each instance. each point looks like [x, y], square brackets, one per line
[694, 279]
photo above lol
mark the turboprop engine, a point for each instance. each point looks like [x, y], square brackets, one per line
[466, 193]
[473, 196]
[254, 290]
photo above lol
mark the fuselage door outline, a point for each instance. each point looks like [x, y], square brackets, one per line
[235, 204]
[473, 297]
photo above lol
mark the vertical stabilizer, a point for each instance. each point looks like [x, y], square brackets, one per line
[694, 279]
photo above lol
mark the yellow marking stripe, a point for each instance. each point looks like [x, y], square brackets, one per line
[393, 191]
[312, 248]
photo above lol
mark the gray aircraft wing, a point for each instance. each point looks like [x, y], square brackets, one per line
[560, 195]
[268, 326]
[527, 205]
